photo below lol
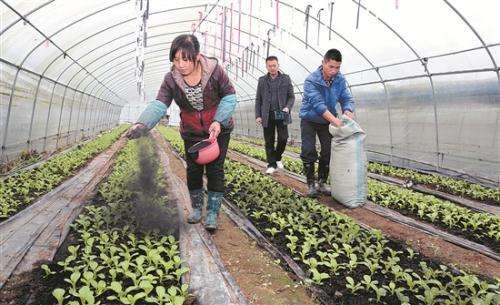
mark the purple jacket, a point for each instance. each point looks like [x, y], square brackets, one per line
[215, 85]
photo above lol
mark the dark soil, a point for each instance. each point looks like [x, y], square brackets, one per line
[35, 288]
[429, 246]
[261, 279]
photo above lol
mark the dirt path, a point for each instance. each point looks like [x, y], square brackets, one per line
[430, 246]
[261, 280]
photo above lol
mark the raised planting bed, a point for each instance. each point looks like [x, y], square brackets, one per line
[37, 232]
[436, 182]
[480, 227]
[22, 189]
[440, 183]
[25, 158]
[345, 256]
[121, 249]
[353, 265]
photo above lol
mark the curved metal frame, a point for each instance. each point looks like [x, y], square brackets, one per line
[495, 66]
[101, 89]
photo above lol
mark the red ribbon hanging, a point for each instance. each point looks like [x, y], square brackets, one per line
[277, 13]
[239, 24]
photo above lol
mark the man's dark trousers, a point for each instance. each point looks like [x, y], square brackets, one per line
[274, 154]
[308, 154]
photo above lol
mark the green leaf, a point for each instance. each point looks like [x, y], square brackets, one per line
[58, 293]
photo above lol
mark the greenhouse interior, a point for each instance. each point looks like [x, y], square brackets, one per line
[242, 152]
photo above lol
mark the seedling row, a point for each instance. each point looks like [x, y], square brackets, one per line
[353, 265]
[116, 258]
[481, 227]
[439, 182]
[22, 189]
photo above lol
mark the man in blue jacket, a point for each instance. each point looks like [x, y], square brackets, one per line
[322, 90]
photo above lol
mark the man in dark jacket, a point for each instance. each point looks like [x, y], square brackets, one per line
[273, 103]
[322, 90]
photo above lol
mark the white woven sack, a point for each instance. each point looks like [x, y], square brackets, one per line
[348, 163]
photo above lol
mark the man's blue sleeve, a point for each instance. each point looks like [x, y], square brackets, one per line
[225, 109]
[346, 100]
[312, 94]
[152, 114]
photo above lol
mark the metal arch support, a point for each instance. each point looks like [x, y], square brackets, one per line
[120, 70]
[38, 85]
[110, 27]
[298, 62]
[255, 78]
[17, 74]
[312, 48]
[98, 47]
[115, 72]
[33, 114]
[495, 66]
[168, 43]
[58, 31]
[423, 61]
[122, 23]
[25, 15]
[63, 52]
[88, 64]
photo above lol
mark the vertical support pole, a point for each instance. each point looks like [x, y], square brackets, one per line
[77, 127]
[70, 118]
[388, 103]
[48, 118]
[331, 19]
[357, 17]
[9, 109]
[85, 116]
[29, 144]
[60, 117]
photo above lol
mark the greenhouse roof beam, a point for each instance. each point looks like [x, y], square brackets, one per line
[477, 35]
[48, 38]
[47, 78]
[119, 84]
[428, 57]
[26, 15]
[205, 17]
[294, 59]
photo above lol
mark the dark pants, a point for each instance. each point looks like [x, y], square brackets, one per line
[274, 154]
[309, 131]
[214, 170]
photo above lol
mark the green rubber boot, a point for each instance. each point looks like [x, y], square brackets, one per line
[214, 202]
[197, 205]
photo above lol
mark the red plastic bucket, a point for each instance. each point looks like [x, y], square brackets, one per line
[204, 151]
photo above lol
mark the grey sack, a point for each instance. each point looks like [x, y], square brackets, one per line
[348, 164]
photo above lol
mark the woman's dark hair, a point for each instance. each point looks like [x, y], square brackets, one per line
[188, 45]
